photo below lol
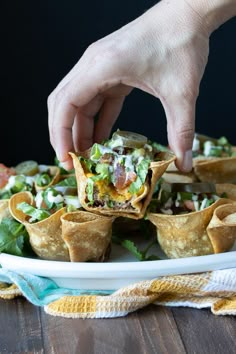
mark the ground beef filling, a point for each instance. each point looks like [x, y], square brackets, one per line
[107, 202]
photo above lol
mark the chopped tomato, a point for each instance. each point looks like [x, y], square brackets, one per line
[189, 205]
[5, 173]
[122, 178]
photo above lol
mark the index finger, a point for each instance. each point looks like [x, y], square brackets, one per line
[63, 107]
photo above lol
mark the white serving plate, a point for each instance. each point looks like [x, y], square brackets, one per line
[122, 269]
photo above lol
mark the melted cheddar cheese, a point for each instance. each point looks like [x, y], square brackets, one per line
[119, 196]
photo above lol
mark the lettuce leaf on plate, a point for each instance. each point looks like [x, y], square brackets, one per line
[14, 238]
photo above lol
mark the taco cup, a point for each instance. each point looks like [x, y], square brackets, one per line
[214, 159]
[47, 176]
[28, 176]
[57, 229]
[87, 235]
[45, 236]
[222, 228]
[119, 177]
[189, 233]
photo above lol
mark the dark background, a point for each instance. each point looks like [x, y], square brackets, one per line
[42, 40]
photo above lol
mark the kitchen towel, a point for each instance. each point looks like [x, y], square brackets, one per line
[215, 290]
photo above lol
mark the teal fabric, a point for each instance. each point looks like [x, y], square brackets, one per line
[41, 291]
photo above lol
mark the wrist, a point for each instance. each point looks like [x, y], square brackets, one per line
[213, 12]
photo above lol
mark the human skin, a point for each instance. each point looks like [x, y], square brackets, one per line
[164, 52]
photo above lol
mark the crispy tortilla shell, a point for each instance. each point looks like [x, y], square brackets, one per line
[228, 188]
[4, 209]
[139, 203]
[45, 236]
[222, 228]
[87, 235]
[215, 169]
[186, 235]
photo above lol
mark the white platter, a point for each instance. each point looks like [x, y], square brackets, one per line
[121, 270]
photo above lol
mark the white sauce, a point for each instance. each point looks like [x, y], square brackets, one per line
[74, 201]
[39, 199]
[55, 199]
[196, 205]
[29, 180]
[196, 144]
[203, 205]
[207, 148]
[11, 182]
[128, 163]
[43, 168]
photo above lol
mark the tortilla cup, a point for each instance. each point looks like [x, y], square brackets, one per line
[135, 207]
[55, 172]
[186, 235]
[45, 236]
[227, 188]
[215, 169]
[222, 228]
[4, 209]
[87, 235]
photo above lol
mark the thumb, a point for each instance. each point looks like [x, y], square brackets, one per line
[180, 129]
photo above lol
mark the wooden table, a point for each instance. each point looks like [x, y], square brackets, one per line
[25, 328]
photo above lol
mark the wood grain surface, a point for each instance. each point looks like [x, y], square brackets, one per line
[25, 328]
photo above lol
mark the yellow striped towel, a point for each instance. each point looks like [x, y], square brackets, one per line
[215, 290]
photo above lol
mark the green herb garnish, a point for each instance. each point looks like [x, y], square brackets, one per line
[14, 238]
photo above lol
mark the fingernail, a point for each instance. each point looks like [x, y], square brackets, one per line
[187, 161]
[60, 156]
[66, 165]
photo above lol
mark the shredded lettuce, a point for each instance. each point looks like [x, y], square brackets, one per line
[135, 186]
[34, 213]
[103, 170]
[51, 201]
[69, 181]
[43, 179]
[89, 190]
[142, 171]
[159, 147]
[95, 153]
[89, 165]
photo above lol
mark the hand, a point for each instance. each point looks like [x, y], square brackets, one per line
[164, 52]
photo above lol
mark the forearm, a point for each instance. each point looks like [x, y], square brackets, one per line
[214, 12]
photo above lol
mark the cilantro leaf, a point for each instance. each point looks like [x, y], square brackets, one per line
[141, 255]
[14, 238]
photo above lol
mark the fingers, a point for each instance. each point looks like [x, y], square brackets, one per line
[63, 110]
[72, 109]
[61, 133]
[180, 115]
[83, 128]
[107, 117]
